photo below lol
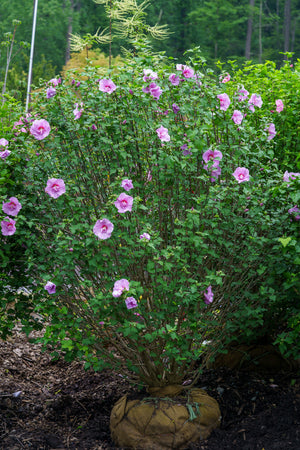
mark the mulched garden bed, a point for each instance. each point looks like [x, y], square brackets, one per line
[64, 407]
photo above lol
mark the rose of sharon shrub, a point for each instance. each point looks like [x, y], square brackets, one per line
[143, 280]
[276, 88]
[13, 262]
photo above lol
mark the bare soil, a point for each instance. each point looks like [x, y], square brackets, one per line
[46, 404]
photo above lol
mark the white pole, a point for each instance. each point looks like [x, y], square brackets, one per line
[31, 53]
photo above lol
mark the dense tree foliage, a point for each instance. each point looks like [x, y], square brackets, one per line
[224, 29]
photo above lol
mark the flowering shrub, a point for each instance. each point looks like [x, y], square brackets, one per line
[275, 97]
[275, 90]
[15, 304]
[143, 281]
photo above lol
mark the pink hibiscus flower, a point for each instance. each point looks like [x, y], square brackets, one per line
[226, 79]
[50, 287]
[271, 130]
[290, 176]
[40, 129]
[295, 211]
[103, 229]
[131, 302]
[188, 72]
[107, 86]
[255, 100]
[174, 79]
[55, 187]
[120, 286]
[145, 236]
[12, 207]
[54, 81]
[241, 174]
[215, 173]
[124, 203]
[237, 117]
[224, 101]
[3, 142]
[243, 94]
[163, 134]
[8, 227]
[77, 112]
[212, 155]
[279, 105]
[5, 154]
[155, 90]
[208, 296]
[149, 75]
[51, 91]
[127, 184]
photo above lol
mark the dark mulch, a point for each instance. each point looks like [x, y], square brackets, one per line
[63, 407]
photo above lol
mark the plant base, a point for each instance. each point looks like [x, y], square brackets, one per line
[164, 423]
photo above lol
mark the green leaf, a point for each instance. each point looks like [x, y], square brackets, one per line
[285, 241]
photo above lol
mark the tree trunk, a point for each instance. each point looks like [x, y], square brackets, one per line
[287, 25]
[249, 30]
[8, 59]
[69, 31]
[294, 28]
[110, 34]
[183, 28]
[277, 24]
[260, 33]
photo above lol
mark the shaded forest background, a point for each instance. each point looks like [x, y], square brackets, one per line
[254, 30]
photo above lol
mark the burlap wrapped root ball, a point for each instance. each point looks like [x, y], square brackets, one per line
[164, 423]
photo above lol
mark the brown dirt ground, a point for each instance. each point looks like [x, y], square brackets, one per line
[64, 407]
